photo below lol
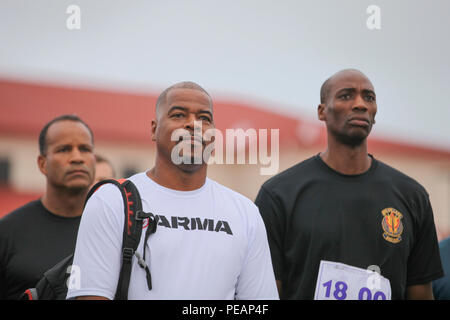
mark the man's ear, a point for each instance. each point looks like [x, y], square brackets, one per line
[321, 112]
[153, 133]
[42, 164]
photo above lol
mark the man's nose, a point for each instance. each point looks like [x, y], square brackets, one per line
[190, 122]
[76, 156]
[359, 104]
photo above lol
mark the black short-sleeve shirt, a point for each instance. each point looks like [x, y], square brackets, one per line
[381, 217]
[32, 240]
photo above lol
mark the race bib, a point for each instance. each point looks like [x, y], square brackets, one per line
[338, 281]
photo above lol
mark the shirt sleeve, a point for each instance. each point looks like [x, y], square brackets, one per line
[96, 264]
[424, 262]
[256, 280]
[271, 214]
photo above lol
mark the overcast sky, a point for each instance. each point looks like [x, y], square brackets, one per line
[274, 54]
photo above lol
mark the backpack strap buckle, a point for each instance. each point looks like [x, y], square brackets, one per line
[141, 215]
[128, 254]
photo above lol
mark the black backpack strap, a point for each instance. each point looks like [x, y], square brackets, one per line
[132, 231]
[151, 228]
[30, 294]
[131, 236]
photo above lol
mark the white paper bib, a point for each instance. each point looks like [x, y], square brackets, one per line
[338, 281]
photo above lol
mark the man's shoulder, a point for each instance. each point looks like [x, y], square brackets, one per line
[139, 178]
[228, 192]
[236, 206]
[291, 175]
[18, 215]
[109, 190]
[402, 180]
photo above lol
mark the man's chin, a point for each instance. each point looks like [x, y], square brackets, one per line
[78, 187]
[191, 164]
[353, 140]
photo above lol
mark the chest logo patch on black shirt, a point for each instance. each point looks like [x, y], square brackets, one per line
[392, 225]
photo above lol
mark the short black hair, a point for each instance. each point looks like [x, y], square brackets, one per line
[325, 91]
[180, 85]
[43, 133]
[326, 86]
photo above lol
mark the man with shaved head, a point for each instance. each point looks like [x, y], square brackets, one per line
[210, 241]
[343, 225]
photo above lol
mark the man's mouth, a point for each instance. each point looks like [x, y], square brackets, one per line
[77, 172]
[192, 139]
[359, 121]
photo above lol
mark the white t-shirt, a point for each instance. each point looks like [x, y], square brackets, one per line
[210, 244]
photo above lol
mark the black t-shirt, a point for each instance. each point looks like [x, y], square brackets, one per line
[315, 213]
[32, 240]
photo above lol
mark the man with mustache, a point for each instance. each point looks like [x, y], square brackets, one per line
[210, 242]
[34, 237]
[337, 218]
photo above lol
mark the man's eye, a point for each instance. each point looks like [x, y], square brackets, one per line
[65, 149]
[177, 115]
[205, 118]
[345, 96]
[370, 98]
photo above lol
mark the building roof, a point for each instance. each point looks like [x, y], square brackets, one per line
[11, 199]
[118, 116]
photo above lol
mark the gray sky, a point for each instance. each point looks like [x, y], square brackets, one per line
[273, 54]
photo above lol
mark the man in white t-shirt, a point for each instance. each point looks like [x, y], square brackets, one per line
[210, 241]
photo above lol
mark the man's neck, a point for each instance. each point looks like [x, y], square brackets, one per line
[64, 203]
[350, 160]
[174, 177]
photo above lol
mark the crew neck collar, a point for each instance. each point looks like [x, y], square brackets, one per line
[369, 171]
[174, 192]
[54, 215]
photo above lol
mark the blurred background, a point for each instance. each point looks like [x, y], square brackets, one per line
[263, 62]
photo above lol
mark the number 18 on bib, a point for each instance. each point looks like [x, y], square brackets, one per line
[338, 281]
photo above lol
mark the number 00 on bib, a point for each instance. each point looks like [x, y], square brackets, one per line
[338, 281]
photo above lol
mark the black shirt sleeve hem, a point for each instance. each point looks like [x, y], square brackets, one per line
[423, 280]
